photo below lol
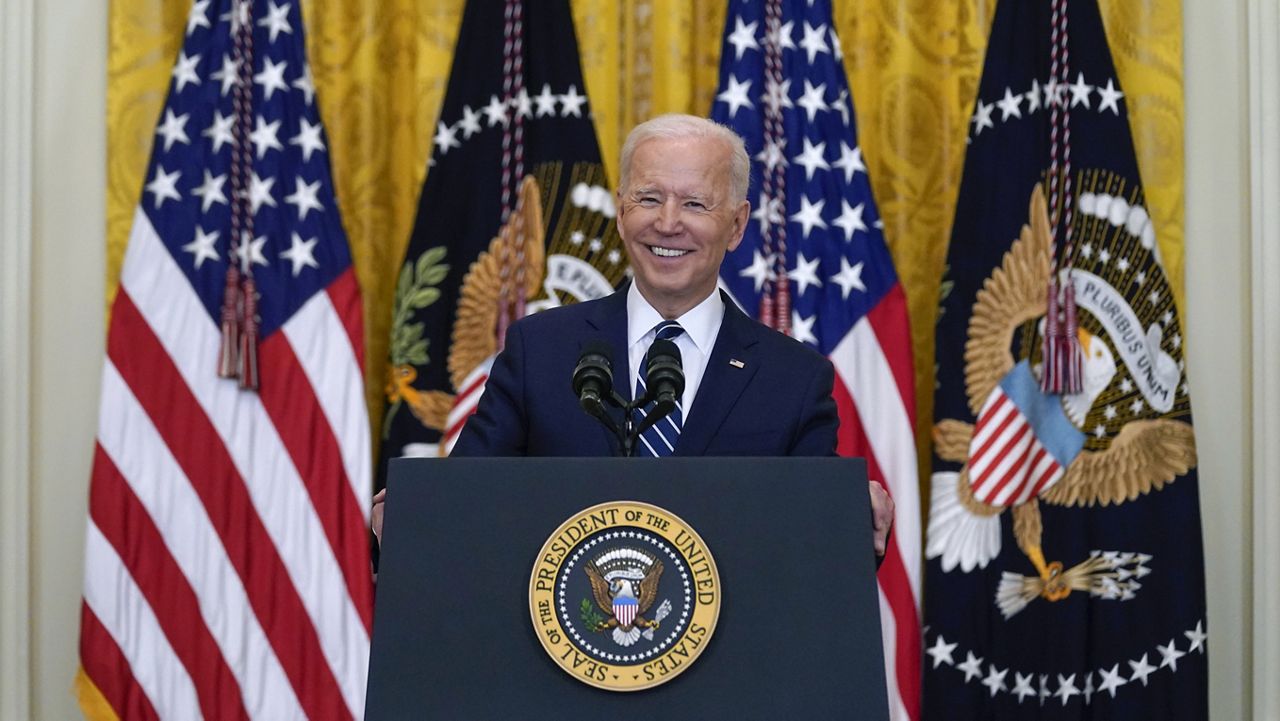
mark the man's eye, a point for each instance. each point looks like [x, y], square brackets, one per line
[696, 205]
[648, 200]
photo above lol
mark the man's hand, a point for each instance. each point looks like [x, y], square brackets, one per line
[881, 516]
[380, 505]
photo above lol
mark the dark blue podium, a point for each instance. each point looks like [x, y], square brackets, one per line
[798, 629]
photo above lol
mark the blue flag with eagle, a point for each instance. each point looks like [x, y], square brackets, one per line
[1064, 565]
[515, 216]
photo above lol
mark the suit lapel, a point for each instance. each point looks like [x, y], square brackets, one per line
[608, 322]
[731, 367]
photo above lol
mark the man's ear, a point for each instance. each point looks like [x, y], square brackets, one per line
[619, 211]
[741, 217]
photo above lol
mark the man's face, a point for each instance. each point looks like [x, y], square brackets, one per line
[677, 219]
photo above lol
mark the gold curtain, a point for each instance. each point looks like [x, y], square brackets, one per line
[381, 69]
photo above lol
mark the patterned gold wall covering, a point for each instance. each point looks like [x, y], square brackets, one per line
[381, 70]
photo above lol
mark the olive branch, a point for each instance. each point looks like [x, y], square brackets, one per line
[414, 291]
[944, 290]
[590, 616]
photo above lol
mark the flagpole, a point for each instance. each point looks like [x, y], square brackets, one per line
[17, 98]
[1264, 132]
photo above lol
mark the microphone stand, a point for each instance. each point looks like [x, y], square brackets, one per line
[628, 433]
[594, 375]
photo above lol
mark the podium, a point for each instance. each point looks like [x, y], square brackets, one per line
[798, 625]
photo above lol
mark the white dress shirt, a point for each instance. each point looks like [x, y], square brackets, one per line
[701, 326]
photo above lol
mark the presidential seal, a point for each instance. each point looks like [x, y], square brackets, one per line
[624, 596]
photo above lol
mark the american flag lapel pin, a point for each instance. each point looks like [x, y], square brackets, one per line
[737, 363]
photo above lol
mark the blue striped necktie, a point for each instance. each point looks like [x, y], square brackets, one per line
[660, 439]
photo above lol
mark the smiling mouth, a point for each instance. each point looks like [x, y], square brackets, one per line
[667, 252]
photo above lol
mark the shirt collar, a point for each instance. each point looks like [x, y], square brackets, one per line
[701, 322]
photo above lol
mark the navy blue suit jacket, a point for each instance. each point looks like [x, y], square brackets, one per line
[775, 402]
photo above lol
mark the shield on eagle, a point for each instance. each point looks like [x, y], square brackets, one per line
[625, 609]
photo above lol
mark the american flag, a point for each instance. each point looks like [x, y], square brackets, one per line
[227, 562]
[815, 226]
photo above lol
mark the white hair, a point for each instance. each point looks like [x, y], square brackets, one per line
[677, 126]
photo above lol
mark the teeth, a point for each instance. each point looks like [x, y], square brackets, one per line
[667, 252]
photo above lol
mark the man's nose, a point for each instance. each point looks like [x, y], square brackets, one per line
[669, 217]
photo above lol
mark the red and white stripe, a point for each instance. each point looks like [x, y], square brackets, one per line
[465, 403]
[875, 394]
[1007, 463]
[227, 569]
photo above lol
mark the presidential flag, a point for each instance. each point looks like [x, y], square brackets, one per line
[814, 263]
[1064, 560]
[226, 559]
[515, 216]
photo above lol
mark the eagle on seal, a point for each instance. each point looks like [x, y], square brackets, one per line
[624, 583]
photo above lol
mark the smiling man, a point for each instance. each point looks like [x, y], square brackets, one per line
[681, 207]
[749, 390]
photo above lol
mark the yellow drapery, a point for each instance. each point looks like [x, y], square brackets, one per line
[381, 69]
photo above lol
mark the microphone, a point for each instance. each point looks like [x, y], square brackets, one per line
[664, 375]
[593, 377]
